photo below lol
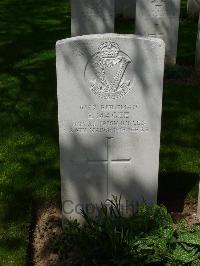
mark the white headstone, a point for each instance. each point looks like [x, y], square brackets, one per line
[109, 103]
[125, 8]
[160, 18]
[92, 16]
[193, 8]
[198, 48]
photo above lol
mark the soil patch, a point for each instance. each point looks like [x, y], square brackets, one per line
[47, 230]
[189, 213]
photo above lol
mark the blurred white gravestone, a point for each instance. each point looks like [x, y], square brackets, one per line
[193, 8]
[92, 17]
[198, 48]
[109, 104]
[160, 18]
[125, 8]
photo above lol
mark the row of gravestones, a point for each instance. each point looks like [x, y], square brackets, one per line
[110, 90]
[127, 8]
[155, 18]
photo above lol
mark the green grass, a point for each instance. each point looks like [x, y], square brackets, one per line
[180, 143]
[29, 170]
[29, 154]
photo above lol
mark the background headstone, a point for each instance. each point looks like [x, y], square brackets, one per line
[198, 48]
[160, 18]
[193, 8]
[125, 8]
[109, 104]
[92, 17]
[118, 8]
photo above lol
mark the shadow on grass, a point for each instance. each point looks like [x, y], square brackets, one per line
[174, 187]
[180, 145]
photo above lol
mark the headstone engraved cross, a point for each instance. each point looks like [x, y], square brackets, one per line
[108, 161]
[160, 18]
[109, 108]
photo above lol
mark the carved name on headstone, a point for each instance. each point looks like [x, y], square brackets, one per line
[109, 104]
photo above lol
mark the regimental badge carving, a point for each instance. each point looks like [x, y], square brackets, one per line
[109, 72]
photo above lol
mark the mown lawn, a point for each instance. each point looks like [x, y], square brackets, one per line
[29, 155]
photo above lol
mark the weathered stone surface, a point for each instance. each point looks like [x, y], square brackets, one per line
[125, 8]
[160, 18]
[109, 104]
[92, 17]
[193, 8]
[198, 48]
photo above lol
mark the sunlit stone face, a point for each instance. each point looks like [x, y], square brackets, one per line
[160, 19]
[109, 106]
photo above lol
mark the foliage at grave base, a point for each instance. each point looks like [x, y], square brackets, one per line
[146, 238]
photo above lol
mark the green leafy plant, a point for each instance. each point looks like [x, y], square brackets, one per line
[147, 237]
